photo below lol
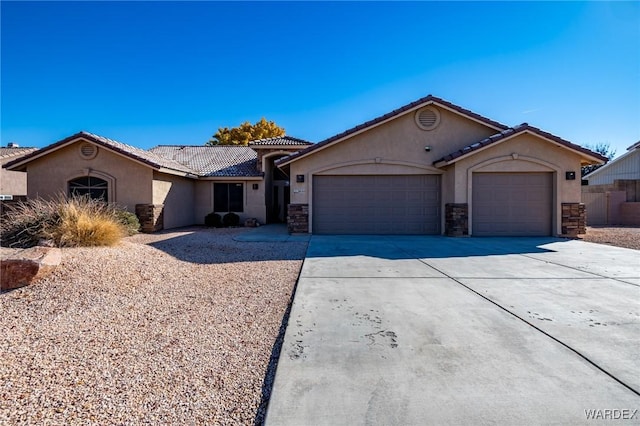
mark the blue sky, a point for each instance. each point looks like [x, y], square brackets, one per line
[149, 73]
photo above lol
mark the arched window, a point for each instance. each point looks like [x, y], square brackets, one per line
[94, 187]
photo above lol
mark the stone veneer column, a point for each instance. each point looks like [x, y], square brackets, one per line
[456, 219]
[151, 217]
[574, 219]
[298, 218]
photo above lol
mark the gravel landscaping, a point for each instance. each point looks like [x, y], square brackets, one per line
[170, 328]
[628, 237]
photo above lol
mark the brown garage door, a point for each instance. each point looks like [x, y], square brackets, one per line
[407, 204]
[512, 204]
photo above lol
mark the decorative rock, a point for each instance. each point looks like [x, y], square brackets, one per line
[28, 266]
[251, 223]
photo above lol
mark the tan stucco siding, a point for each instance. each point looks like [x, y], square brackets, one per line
[395, 147]
[254, 200]
[523, 153]
[203, 200]
[178, 195]
[49, 175]
[12, 183]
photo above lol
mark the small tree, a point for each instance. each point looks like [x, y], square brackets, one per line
[245, 133]
[601, 148]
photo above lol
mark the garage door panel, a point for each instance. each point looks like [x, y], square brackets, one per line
[376, 204]
[512, 204]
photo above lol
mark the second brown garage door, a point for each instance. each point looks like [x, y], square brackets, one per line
[398, 204]
[512, 204]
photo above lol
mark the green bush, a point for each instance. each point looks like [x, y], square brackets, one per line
[129, 221]
[68, 222]
[213, 220]
[231, 219]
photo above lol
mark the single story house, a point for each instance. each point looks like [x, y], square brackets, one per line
[429, 167]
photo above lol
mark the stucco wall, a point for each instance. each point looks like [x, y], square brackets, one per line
[396, 147]
[523, 153]
[178, 196]
[254, 201]
[48, 176]
[12, 183]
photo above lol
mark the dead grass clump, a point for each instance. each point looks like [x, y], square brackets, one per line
[81, 227]
[68, 222]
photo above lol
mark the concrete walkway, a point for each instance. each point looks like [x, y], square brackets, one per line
[436, 330]
[271, 233]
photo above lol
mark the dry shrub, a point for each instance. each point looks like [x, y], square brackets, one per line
[81, 227]
[68, 222]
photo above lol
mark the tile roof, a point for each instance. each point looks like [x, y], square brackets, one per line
[15, 151]
[511, 132]
[392, 114]
[279, 140]
[154, 160]
[213, 161]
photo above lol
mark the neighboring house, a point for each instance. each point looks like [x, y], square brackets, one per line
[612, 193]
[625, 167]
[12, 183]
[429, 167]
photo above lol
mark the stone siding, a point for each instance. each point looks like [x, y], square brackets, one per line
[298, 218]
[574, 219]
[151, 217]
[456, 219]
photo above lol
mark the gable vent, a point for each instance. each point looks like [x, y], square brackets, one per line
[88, 151]
[427, 118]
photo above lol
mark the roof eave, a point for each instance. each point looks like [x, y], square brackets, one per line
[230, 178]
[428, 100]
[592, 159]
[21, 163]
[175, 172]
[279, 146]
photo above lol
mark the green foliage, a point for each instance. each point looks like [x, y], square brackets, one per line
[603, 149]
[246, 132]
[213, 220]
[68, 222]
[231, 219]
[129, 221]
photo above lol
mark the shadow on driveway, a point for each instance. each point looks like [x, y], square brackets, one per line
[425, 247]
[213, 246]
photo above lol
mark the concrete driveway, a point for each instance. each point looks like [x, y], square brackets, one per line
[436, 330]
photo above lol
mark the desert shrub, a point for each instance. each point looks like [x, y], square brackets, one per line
[82, 226]
[213, 219]
[129, 221]
[27, 223]
[68, 222]
[231, 219]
